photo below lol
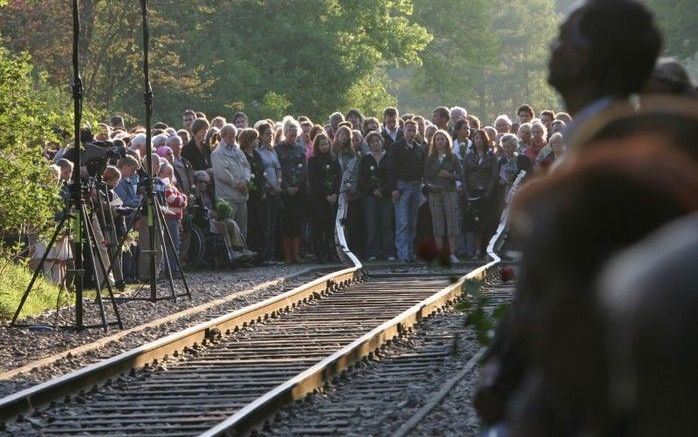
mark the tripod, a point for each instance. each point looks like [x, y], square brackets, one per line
[165, 242]
[77, 211]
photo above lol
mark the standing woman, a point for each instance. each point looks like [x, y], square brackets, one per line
[324, 177]
[378, 206]
[293, 182]
[539, 138]
[272, 188]
[348, 159]
[255, 210]
[443, 175]
[176, 203]
[197, 151]
[480, 181]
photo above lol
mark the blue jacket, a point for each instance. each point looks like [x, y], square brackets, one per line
[126, 190]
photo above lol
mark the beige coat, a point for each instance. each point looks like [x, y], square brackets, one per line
[230, 167]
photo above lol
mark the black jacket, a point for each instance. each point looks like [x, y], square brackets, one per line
[199, 159]
[405, 163]
[373, 175]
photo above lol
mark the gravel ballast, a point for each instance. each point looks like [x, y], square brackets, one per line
[379, 396]
[23, 346]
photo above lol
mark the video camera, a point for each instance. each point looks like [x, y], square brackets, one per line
[99, 154]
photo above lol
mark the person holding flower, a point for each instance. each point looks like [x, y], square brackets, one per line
[324, 176]
[293, 184]
[378, 206]
[232, 175]
[443, 175]
[248, 140]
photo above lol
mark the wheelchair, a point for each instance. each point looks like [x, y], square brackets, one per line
[203, 247]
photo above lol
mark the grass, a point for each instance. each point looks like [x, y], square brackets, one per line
[14, 279]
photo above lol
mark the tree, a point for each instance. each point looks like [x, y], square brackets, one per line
[677, 20]
[27, 195]
[221, 55]
[489, 56]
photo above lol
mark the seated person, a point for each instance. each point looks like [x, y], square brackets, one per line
[227, 228]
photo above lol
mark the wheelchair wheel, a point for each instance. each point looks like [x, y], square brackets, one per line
[197, 247]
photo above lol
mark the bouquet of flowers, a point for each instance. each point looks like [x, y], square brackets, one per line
[223, 209]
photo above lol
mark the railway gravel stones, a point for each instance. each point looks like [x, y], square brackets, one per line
[378, 397]
[188, 394]
[19, 347]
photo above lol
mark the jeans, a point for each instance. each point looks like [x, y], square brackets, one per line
[380, 241]
[406, 209]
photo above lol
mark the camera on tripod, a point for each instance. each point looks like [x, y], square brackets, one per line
[99, 154]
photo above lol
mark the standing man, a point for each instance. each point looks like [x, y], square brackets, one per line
[405, 172]
[391, 128]
[440, 117]
[232, 175]
[188, 118]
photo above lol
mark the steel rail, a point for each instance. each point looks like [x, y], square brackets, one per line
[244, 420]
[255, 413]
[44, 393]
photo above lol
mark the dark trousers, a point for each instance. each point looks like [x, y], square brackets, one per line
[271, 212]
[255, 224]
[355, 229]
[292, 214]
[380, 238]
[323, 219]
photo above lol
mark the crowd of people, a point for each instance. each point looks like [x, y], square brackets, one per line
[270, 190]
[600, 339]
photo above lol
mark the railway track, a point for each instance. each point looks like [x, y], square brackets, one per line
[400, 391]
[227, 375]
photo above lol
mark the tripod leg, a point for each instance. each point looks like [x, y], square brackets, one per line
[109, 230]
[92, 242]
[129, 227]
[162, 229]
[109, 289]
[177, 260]
[40, 266]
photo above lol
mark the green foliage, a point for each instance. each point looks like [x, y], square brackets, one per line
[268, 57]
[28, 196]
[488, 56]
[13, 281]
[482, 316]
[677, 20]
[223, 209]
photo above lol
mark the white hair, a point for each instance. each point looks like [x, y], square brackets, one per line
[138, 141]
[288, 123]
[228, 128]
[173, 139]
[159, 140]
[505, 118]
[509, 139]
[457, 110]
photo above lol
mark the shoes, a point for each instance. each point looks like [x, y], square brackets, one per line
[248, 254]
[372, 258]
[391, 258]
[454, 259]
[235, 256]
